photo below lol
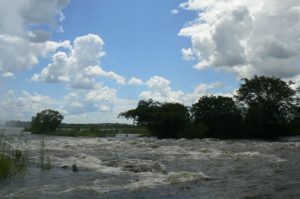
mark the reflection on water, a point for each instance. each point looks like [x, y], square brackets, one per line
[129, 167]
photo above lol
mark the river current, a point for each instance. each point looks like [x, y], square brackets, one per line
[132, 167]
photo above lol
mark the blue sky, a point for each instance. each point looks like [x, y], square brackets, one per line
[93, 59]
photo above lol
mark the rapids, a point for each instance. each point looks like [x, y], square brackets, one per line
[133, 167]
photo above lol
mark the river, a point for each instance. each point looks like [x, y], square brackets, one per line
[133, 167]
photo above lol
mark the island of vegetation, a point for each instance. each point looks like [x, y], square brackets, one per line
[262, 107]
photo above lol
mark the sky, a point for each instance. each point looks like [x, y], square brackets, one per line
[91, 60]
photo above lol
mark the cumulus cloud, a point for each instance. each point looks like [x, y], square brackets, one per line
[187, 54]
[23, 36]
[99, 104]
[248, 37]
[18, 17]
[95, 106]
[80, 66]
[23, 105]
[81, 106]
[135, 81]
[159, 89]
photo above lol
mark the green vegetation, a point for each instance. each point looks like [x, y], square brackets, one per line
[264, 107]
[88, 130]
[12, 162]
[270, 106]
[219, 114]
[46, 121]
[163, 120]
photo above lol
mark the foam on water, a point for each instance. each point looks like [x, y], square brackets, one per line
[117, 164]
[184, 176]
[253, 154]
[139, 165]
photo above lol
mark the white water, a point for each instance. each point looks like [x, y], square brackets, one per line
[151, 168]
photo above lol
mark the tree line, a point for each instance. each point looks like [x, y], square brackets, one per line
[263, 107]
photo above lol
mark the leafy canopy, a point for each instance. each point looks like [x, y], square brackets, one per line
[167, 120]
[264, 107]
[220, 114]
[270, 104]
[46, 121]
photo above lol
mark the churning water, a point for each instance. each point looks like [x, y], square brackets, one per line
[126, 167]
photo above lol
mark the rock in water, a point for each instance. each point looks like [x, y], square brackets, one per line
[74, 168]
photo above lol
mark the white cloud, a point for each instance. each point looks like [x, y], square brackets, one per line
[18, 53]
[8, 75]
[135, 81]
[174, 12]
[100, 104]
[157, 82]
[18, 17]
[98, 71]
[25, 30]
[23, 40]
[80, 67]
[245, 36]
[20, 106]
[187, 54]
[81, 106]
[161, 91]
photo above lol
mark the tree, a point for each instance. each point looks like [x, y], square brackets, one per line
[46, 121]
[143, 114]
[167, 120]
[219, 114]
[270, 105]
[172, 120]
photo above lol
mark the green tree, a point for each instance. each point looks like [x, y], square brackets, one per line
[270, 104]
[164, 120]
[219, 114]
[46, 121]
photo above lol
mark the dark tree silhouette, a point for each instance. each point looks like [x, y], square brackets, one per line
[46, 121]
[270, 103]
[167, 120]
[264, 107]
[219, 114]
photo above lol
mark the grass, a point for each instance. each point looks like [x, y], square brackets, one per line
[7, 167]
[10, 166]
[12, 162]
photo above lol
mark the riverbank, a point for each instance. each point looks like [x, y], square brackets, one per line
[97, 130]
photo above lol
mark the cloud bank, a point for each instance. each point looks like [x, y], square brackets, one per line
[248, 37]
[25, 28]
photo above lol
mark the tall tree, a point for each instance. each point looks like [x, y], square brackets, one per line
[270, 105]
[46, 121]
[219, 114]
[167, 120]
